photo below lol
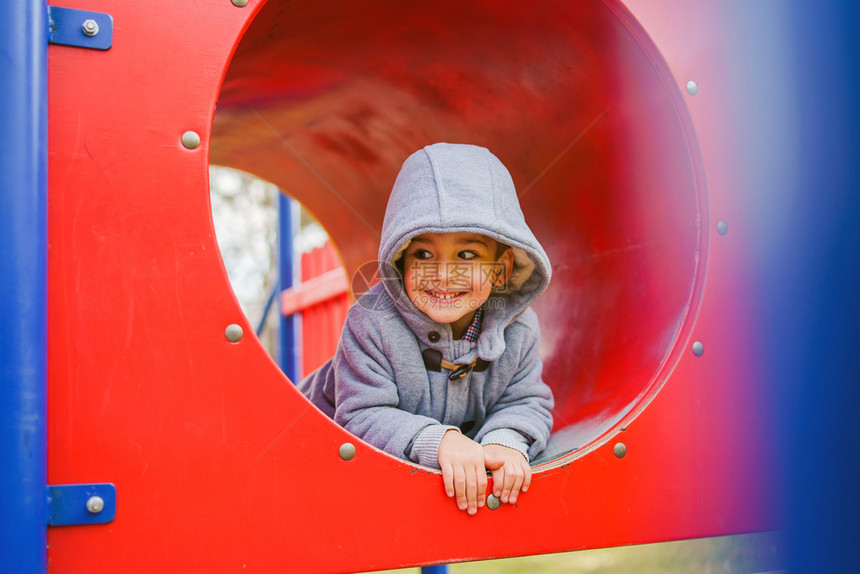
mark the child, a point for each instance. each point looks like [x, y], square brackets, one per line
[438, 363]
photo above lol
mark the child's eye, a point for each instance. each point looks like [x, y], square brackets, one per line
[421, 254]
[467, 255]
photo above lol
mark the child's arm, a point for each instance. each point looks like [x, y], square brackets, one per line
[521, 417]
[463, 473]
[367, 398]
[519, 422]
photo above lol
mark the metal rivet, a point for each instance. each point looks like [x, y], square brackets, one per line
[95, 504]
[240, 3]
[698, 349]
[620, 449]
[234, 333]
[347, 451]
[722, 227]
[90, 27]
[190, 139]
[692, 88]
[493, 502]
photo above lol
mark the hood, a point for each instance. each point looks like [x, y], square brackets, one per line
[446, 188]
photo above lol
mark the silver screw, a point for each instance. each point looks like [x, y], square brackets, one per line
[234, 333]
[620, 449]
[240, 3]
[90, 27]
[347, 451]
[692, 88]
[493, 502]
[190, 139]
[698, 348]
[722, 227]
[95, 504]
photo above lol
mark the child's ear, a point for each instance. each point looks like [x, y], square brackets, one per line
[507, 261]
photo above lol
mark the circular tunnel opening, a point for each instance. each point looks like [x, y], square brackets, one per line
[326, 100]
[244, 214]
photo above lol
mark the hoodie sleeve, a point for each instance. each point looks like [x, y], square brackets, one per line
[367, 397]
[521, 418]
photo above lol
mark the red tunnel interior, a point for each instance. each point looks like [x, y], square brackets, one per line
[327, 100]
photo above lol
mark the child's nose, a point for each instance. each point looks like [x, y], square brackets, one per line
[455, 274]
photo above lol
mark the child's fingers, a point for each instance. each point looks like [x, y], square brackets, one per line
[448, 479]
[460, 487]
[493, 462]
[482, 486]
[523, 480]
[510, 479]
[498, 482]
[496, 466]
[527, 481]
[472, 490]
[519, 478]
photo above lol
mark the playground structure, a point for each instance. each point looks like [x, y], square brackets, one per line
[613, 121]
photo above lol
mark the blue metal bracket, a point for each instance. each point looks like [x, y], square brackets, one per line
[70, 504]
[80, 28]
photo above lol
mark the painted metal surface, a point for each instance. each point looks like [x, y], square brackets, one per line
[23, 285]
[289, 333]
[210, 446]
[315, 290]
[81, 28]
[81, 504]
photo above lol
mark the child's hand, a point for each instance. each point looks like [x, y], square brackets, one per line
[510, 469]
[462, 463]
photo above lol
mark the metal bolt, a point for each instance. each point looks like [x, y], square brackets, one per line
[190, 139]
[347, 451]
[90, 27]
[493, 502]
[95, 504]
[722, 227]
[240, 3]
[234, 333]
[620, 449]
[698, 348]
[692, 88]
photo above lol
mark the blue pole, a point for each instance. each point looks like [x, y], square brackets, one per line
[273, 293]
[810, 298]
[23, 285]
[290, 358]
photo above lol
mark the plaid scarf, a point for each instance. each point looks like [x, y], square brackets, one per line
[475, 327]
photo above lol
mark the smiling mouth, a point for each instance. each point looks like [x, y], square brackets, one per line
[444, 296]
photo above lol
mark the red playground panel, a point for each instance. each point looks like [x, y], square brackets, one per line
[614, 120]
[322, 301]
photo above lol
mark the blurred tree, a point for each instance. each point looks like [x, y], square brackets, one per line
[245, 214]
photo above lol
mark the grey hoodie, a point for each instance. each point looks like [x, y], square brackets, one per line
[377, 385]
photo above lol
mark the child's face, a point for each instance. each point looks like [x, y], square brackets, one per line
[449, 275]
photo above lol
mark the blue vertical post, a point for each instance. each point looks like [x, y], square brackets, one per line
[290, 358]
[810, 293]
[23, 285]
